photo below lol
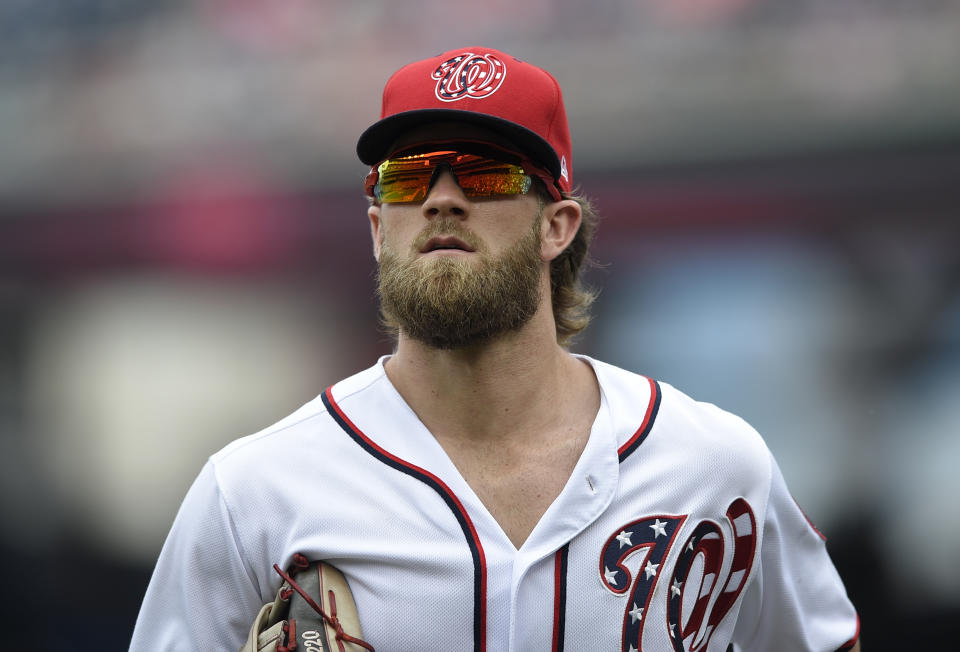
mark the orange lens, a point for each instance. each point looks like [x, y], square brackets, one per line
[408, 178]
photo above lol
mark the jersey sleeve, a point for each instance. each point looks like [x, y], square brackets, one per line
[200, 597]
[797, 601]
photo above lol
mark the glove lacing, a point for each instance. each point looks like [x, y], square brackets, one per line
[331, 619]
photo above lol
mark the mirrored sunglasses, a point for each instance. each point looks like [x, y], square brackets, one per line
[481, 170]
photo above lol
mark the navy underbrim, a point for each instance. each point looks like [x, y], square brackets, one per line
[375, 143]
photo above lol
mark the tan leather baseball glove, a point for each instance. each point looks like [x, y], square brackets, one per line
[314, 612]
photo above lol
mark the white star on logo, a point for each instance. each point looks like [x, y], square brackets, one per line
[690, 545]
[658, 528]
[650, 569]
[636, 613]
[609, 575]
[671, 631]
[624, 538]
[675, 589]
[632, 649]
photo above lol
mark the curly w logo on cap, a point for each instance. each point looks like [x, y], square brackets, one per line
[469, 75]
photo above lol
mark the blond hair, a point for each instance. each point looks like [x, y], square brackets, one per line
[571, 299]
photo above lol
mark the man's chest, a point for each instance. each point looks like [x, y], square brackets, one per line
[432, 569]
[516, 485]
[645, 542]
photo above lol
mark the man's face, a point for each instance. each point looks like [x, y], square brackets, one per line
[456, 271]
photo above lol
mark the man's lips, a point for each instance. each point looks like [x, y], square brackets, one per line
[445, 242]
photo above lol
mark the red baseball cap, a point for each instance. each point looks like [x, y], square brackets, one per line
[481, 86]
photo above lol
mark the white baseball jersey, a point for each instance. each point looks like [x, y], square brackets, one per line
[674, 533]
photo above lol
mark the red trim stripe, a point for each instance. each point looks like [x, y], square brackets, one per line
[559, 597]
[649, 416]
[853, 641]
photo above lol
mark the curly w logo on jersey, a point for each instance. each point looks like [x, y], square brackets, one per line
[469, 75]
[690, 622]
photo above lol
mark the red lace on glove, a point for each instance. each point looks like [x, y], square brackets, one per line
[340, 636]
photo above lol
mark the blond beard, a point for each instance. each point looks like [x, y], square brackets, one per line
[451, 302]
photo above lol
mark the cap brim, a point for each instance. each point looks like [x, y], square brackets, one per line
[375, 143]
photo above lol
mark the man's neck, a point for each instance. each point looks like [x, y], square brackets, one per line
[522, 381]
[513, 415]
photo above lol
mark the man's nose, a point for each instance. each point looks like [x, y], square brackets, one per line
[445, 198]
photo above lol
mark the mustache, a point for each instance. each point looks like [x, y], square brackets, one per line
[451, 227]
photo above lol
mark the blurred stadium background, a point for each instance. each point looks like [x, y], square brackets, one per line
[184, 256]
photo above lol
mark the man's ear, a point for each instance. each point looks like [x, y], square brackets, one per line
[374, 214]
[559, 225]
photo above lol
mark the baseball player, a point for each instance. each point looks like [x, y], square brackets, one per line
[482, 488]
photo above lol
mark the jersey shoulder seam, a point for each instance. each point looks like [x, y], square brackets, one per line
[274, 429]
[374, 378]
